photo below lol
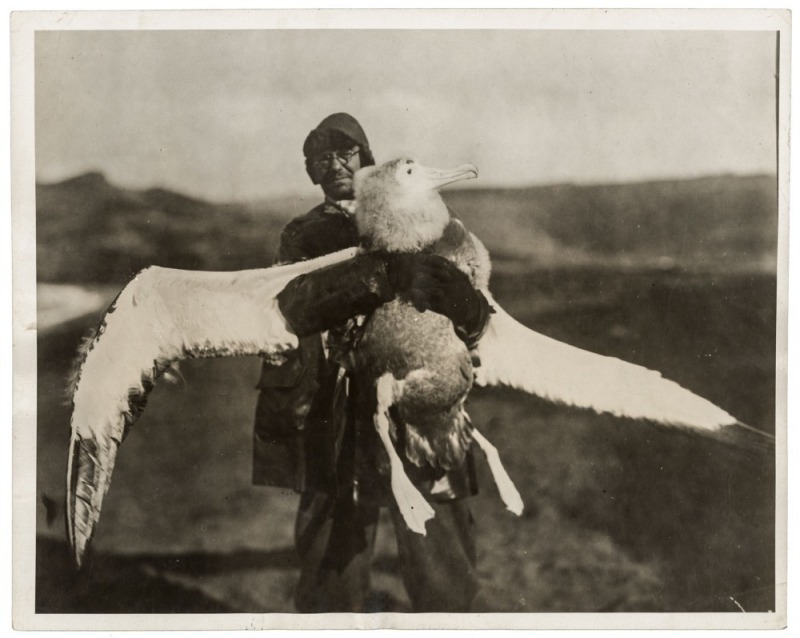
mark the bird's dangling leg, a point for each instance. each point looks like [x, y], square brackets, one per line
[508, 492]
[415, 509]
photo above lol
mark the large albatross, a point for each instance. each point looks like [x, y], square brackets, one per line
[421, 370]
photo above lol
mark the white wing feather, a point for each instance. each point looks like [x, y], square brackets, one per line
[161, 316]
[516, 356]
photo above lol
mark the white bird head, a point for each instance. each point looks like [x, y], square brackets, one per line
[398, 206]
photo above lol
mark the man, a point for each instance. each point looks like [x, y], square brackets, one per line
[314, 429]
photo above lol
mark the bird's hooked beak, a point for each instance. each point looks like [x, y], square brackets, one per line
[438, 177]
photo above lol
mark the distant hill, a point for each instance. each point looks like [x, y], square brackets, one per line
[89, 230]
[710, 222]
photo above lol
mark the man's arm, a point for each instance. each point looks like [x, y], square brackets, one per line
[323, 299]
[320, 300]
[433, 283]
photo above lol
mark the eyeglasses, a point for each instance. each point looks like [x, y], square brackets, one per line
[324, 160]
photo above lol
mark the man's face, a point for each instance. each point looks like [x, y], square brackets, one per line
[334, 170]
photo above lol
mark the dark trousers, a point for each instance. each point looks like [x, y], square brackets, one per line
[335, 540]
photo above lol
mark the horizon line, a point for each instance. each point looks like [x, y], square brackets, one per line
[466, 187]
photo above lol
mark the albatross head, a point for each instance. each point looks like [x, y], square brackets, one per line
[398, 206]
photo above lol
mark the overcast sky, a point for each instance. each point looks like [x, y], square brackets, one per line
[223, 115]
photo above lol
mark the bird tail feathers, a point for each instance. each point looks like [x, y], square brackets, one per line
[441, 441]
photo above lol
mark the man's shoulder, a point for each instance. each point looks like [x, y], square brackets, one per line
[321, 230]
[323, 214]
[315, 213]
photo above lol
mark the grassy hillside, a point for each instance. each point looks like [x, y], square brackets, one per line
[89, 230]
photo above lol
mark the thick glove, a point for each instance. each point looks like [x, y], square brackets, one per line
[433, 283]
[327, 297]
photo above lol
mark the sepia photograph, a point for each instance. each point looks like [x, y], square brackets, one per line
[448, 318]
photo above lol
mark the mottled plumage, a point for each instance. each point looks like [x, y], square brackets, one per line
[399, 210]
[415, 360]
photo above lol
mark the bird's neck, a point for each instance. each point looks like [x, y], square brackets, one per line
[407, 225]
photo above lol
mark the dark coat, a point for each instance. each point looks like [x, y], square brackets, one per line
[313, 427]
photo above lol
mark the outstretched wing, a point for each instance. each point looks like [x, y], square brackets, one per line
[162, 316]
[516, 356]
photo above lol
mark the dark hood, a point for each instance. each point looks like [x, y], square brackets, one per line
[327, 136]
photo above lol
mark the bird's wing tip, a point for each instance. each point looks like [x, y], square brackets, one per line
[749, 428]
